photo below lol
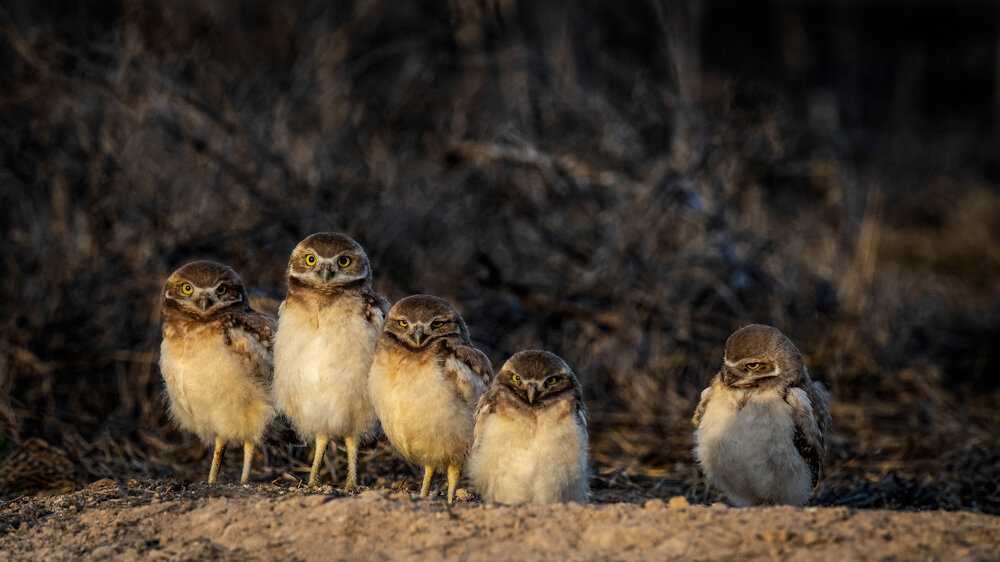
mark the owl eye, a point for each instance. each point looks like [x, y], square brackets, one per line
[515, 378]
[551, 381]
[310, 259]
[437, 324]
[187, 289]
[403, 323]
[753, 366]
[221, 290]
[344, 261]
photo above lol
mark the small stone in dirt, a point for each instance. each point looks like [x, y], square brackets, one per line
[462, 495]
[655, 504]
[102, 552]
[678, 502]
[103, 482]
[719, 506]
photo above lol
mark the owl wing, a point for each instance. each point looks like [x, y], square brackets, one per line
[699, 412]
[808, 438]
[487, 405]
[250, 335]
[468, 368]
[376, 308]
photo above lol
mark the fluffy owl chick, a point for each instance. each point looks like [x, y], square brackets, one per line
[425, 382]
[327, 327]
[759, 428]
[530, 443]
[216, 359]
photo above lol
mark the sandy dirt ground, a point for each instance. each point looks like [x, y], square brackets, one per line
[167, 520]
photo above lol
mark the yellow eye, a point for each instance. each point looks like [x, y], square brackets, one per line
[515, 378]
[753, 366]
[221, 290]
[344, 261]
[187, 289]
[403, 323]
[310, 259]
[551, 381]
[437, 324]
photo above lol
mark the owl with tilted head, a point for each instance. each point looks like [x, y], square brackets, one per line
[530, 441]
[327, 328]
[425, 382]
[760, 427]
[216, 359]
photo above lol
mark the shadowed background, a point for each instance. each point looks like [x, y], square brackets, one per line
[623, 185]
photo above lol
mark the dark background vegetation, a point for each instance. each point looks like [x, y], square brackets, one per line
[621, 183]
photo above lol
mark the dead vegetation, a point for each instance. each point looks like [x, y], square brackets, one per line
[592, 182]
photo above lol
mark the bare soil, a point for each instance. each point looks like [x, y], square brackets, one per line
[159, 519]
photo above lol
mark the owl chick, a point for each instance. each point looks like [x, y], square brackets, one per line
[759, 428]
[216, 359]
[425, 382]
[327, 327]
[530, 443]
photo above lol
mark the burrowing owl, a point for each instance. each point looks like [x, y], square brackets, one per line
[425, 382]
[216, 359]
[530, 441]
[759, 428]
[327, 327]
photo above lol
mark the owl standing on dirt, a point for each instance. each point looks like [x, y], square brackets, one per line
[760, 426]
[216, 359]
[530, 441]
[327, 327]
[425, 382]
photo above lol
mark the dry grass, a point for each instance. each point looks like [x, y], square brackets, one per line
[608, 200]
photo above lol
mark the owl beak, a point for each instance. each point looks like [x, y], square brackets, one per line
[532, 390]
[419, 336]
[729, 376]
[326, 273]
[204, 303]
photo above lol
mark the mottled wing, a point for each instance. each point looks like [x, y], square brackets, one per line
[808, 438]
[376, 308]
[487, 405]
[699, 412]
[468, 369]
[250, 335]
[581, 408]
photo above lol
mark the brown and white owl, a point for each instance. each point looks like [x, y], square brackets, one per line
[530, 441]
[327, 328]
[425, 382]
[760, 426]
[216, 359]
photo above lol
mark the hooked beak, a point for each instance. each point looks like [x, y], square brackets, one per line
[326, 273]
[729, 376]
[532, 390]
[419, 336]
[203, 302]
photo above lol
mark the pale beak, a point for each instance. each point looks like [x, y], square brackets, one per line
[532, 390]
[326, 273]
[729, 376]
[419, 336]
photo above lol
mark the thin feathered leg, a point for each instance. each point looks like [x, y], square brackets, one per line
[426, 488]
[220, 448]
[247, 457]
[352, 462]
[321, 442]
[453, 473]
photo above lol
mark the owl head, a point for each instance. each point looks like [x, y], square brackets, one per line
[537, 376]
[326, 261]
[759, 355]
[204, 288]
[419, 320]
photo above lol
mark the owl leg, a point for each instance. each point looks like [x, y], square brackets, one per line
[453, 473]
[220, 448]
[426, 488]
[247, 456]
[321, 441]
[352, 462]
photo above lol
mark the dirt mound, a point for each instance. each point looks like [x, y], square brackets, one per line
[157, 520]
